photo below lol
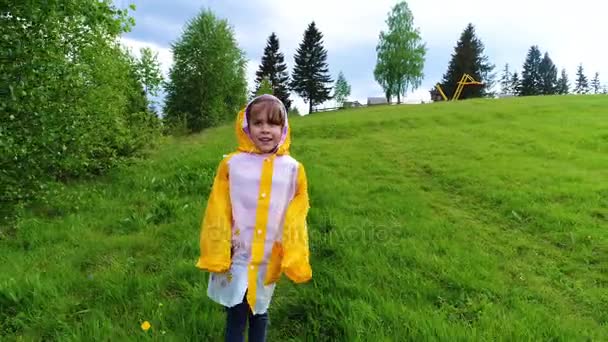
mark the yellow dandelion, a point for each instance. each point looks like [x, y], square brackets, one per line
[145, 326]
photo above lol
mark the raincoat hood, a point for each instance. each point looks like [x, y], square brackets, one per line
[245, 143]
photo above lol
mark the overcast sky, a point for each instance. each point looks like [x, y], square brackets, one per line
[572, 32]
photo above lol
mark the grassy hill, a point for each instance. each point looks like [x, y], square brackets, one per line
[475, 220]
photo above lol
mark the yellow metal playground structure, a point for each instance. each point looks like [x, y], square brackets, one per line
[465, 80]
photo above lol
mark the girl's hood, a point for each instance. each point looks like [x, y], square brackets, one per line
[245, 143]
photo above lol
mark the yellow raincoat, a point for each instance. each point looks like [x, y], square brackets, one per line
[254, 226]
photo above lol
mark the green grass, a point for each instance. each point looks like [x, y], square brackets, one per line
[475, 220]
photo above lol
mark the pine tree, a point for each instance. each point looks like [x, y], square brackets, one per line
[505, 80]
[563, 87]
[595, 83]
[273, 67]
[310, 77]
[515, 84]
[469, 58]
[265, 87]
[548, 76]
[531, 78]
[582, 86]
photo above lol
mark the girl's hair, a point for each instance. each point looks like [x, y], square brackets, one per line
[275, 110]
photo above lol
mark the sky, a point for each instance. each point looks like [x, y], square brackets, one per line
[571, 32]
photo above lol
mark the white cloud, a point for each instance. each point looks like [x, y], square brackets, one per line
[569, 31]
[343, 24]
[572, 33]
[252, 67]
[165, 56]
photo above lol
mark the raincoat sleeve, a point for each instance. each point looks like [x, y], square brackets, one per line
[295, 263]
[216, 228]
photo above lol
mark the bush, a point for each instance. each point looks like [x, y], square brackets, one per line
[294, 111]
[74, 104]
[176, 125]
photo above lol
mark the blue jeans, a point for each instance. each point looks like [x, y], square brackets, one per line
[236, 320]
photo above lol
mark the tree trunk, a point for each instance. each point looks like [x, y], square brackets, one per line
[399, 98]
[310, 107]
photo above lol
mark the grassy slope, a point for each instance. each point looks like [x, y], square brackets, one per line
[472, 220]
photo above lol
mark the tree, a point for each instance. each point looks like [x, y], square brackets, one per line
[274, 68]
[70, 99]
[489, 81]
[400, 54]
[310, 77]
[595, 83]
[563, 87]
[531, 77]
[341, 89]
[548, 76]
[265, 87]
[207, 83]
[469, 58]
[605, 90]
[515, 84]
[582, 86]
[294, 111]
[387, 80]
[505, 80]
[148, 71]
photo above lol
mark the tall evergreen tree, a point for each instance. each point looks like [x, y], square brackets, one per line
[563, 87]
[531, 77]
[310, 78]
[265, 87]
[505, 80]
[595, 83]
[274, 68]
[582, 85]
[515, 84]
[469, 58]
[548, 76]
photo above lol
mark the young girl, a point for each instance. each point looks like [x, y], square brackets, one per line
[254, 227]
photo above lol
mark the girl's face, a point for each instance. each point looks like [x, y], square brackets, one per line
[265, 126]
